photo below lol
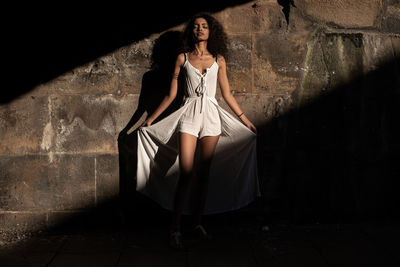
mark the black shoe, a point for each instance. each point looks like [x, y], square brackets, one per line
[200, 233]
[176, 240]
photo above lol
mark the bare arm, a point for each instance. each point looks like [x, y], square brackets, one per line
[172, 92]
[229, 98]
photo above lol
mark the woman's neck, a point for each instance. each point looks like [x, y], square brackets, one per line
[200, 48]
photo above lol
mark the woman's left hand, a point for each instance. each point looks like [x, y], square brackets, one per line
[248, 123]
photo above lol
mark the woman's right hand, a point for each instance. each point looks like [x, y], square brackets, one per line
[146, 123]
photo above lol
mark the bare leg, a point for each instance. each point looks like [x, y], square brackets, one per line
[187, 148]
[207, 148]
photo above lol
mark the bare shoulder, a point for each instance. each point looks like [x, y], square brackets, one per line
[180, 59]
[221, 60]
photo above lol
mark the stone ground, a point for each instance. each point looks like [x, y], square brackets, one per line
[239, 240]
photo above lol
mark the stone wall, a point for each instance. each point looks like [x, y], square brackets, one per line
[322, 91]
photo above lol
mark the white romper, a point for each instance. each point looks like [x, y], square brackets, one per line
[233, 173]
[202, 117]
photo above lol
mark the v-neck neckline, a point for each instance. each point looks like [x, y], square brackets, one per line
[187, 59]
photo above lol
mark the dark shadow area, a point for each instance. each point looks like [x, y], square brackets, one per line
[286, 4]
[155, 86]
[336, 159]
[43, 41]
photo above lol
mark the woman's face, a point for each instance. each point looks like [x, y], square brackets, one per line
[200, 29]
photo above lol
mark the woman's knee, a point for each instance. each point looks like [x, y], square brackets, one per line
[185, 175]
[186, 165]
[204, 164]
[203, 169]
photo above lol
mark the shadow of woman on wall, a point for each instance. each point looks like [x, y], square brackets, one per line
[155, 85]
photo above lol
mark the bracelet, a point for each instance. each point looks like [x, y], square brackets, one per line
[240, 114]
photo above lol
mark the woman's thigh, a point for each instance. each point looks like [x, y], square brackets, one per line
[187, 149]
[207, 149]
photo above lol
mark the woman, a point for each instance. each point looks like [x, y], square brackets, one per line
[199, 120]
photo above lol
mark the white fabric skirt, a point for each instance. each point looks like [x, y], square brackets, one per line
[233, 179]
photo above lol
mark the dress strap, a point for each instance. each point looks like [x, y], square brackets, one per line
[185, 56]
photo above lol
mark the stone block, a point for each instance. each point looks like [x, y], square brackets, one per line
[98, 77]
[131, 79]
[278, 62]
[264, 16]
[16, 226]
[107, 177]
[396, 46]
[255, 16]
[333, 59]
[391, 18]
[239, 64]
[298, 23]
[260, 108]
[343, 13]
[25, 183]
[90, 124]
[38, 182]
[378, 50]
[71, 182]
[135, 61]
[24, 125]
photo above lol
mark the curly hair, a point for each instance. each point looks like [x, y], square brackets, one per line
[217, 42]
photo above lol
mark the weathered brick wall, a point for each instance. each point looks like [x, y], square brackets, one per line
[59, 151]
